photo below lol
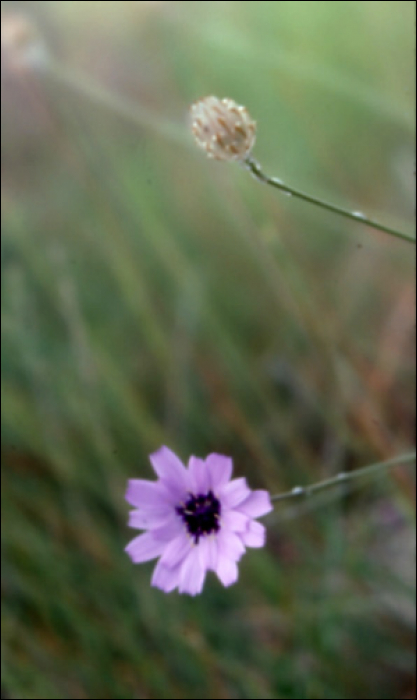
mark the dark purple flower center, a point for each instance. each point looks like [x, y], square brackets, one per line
[201, 514]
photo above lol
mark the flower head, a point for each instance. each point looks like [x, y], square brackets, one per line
[196, 520]
[21, 43]
[222, 128]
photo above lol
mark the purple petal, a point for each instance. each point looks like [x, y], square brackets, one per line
[234, 521]
[230, 545]
[169, 530]
[148, 519]
[256, 504]
[192, 574]
[227, 571]
[208, 552]
[143, 548]
[255, 535]
[234, 493]
[145, 494]
[199, 476]
[164, 578]
[170, 470]
[220, 468]
[176, 550]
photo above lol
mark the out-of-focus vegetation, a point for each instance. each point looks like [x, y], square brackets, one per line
[151, 296]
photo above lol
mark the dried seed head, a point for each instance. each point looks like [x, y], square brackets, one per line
[222, 128]
[21, 43]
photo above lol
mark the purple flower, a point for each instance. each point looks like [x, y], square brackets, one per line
[196, 520]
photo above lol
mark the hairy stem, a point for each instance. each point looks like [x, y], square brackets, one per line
[257, 171]
[344, 478]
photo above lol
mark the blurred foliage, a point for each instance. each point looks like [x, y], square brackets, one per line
[150, 296]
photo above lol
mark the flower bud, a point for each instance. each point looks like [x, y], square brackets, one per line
[222, 128]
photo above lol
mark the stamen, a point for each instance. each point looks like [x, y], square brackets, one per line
[201, 515]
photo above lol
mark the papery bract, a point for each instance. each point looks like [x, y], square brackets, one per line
[223, 128]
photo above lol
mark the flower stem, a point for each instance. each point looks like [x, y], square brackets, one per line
[257, 171]
[344, 478]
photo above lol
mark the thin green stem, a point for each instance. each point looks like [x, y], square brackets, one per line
[344, 478]
[256, 170]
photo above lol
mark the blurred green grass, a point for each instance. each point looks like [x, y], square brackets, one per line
[150, 296]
